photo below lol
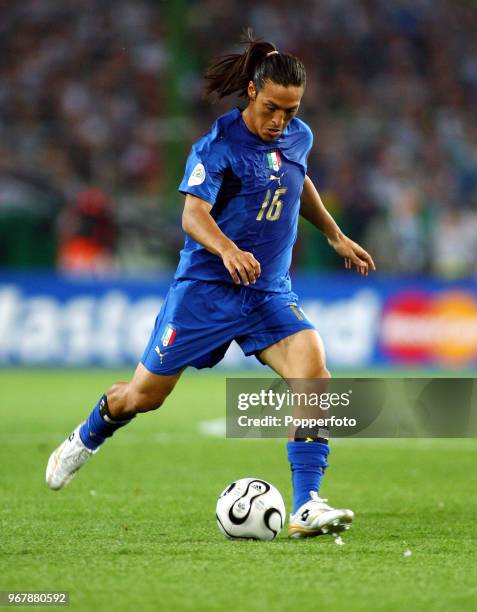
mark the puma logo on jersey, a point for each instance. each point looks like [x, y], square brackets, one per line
[277, 178]
[161, 355]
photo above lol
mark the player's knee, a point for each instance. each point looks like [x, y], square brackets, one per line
[140, 401]
[316, 371]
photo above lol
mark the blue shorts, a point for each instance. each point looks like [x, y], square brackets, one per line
[199, 320]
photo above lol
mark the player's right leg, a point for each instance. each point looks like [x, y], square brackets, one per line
[115, 409]
[197, 322]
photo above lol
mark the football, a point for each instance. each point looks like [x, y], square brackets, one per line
[250, 509]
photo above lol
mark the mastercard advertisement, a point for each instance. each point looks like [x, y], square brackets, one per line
[438, 327]
[373, 322]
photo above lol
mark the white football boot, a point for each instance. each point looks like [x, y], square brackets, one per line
[315, 517]
[66, 460]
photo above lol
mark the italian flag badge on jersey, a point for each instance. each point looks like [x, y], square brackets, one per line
[168, 336]
[274, 160]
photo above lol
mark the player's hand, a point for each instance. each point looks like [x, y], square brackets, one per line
[353, 254]
[242, 266]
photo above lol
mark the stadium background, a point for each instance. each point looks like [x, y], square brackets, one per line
[99, 104]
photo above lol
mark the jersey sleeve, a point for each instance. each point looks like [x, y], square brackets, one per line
[307, 144]
[205, 169]
[298, 143]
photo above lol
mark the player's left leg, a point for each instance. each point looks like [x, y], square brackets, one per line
[300, 359]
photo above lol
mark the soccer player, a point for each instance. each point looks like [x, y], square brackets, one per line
[245, 185]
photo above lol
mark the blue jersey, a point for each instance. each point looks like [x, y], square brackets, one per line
[254, 188]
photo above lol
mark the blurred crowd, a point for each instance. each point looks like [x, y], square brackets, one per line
[100, 100]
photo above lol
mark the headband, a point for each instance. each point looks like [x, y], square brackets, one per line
[271, 53]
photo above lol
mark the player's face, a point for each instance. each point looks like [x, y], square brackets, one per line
[271, 109]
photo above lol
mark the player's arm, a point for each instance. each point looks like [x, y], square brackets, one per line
[198, 223]
[314, 211]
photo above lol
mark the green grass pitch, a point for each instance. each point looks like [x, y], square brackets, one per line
[136, 529]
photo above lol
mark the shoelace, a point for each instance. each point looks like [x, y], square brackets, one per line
[320, 500]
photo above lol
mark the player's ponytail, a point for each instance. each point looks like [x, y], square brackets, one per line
[260, 62]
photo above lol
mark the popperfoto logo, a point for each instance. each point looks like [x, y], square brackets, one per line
[422, 327]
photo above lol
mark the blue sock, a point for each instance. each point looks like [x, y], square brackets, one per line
[308, 463]
[99, 425]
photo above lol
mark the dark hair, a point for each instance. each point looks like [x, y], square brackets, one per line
[232, 73]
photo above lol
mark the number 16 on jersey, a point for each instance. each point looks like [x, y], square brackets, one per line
[272, 206]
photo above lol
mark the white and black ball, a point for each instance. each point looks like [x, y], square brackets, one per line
[250, 509]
